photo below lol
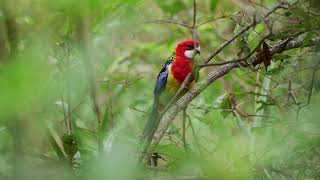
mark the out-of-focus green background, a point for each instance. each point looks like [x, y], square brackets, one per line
[76, 84]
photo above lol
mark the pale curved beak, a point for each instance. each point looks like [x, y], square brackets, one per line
[197, 50]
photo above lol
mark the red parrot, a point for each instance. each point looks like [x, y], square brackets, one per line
[171, 76]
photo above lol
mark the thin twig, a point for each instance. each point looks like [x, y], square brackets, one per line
[170, 22]
[194, 135]
[221, 63]
[184, 129]
[255, 22]
[72, 111]
[64, 115]
[291, 94]
[238, 59]
[69, 112]
[82, 26]
[311, 85]
[194, 13]
[194, 26]
[211, 20]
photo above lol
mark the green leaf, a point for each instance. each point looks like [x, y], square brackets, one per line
[223, 103]
[317, 49]
[25, 20]
[308, 38]
[103, 126]
[94, 3]
[213, 5]
[172, 6]
[279, 57]
[275, 71]
[260, 28]
[243, 44]
[254, 38]
[280, 35]
[172, 150]
[288, 13]
[70, 144]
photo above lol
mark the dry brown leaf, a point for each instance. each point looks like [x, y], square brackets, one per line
[264, 56]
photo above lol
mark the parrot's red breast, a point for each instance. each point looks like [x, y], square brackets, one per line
[180, 68]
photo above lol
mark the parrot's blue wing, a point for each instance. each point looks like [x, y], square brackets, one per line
[162, 78]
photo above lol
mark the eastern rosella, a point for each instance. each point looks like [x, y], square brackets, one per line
[171, 76]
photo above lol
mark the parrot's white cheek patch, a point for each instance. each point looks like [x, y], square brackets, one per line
[189, 53]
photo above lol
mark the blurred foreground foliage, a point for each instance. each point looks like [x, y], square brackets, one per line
[76, 80]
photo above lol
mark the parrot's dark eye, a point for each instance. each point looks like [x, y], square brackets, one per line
[190, 46]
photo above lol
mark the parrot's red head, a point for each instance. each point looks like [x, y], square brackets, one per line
[187, 49]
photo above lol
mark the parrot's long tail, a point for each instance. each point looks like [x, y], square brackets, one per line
[151, 126]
